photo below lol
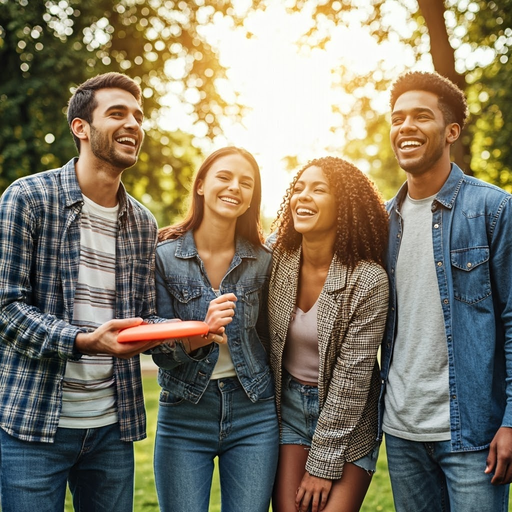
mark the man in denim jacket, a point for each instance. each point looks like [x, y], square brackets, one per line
[447, 352]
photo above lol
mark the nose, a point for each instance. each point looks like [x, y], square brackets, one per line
[407, 124]
[234, 184]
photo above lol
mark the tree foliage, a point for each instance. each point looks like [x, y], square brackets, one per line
[465, 40]
[49, 47]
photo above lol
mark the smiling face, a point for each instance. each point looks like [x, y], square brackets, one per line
[419, 135]
[312, 204]
[116, 133]
[227, 187]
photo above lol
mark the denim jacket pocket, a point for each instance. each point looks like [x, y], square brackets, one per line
[187, 300]
[471, 276]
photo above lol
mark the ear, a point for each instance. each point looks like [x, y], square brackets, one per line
[199, 187]
[452, 132]
[80, 128]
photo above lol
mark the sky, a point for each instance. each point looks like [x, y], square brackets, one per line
[289, 92]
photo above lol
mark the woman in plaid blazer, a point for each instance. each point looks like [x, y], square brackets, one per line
[327, 261]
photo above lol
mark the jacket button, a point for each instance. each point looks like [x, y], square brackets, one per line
[436, 226]
[439, 263]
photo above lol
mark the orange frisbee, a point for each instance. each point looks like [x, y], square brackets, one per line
[162, 331]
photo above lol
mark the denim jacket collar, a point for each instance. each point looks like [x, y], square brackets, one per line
[446, 196]
[186, 247]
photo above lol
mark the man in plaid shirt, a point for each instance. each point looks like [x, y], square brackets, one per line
[76, 266]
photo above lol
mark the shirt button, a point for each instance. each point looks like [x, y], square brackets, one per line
[469, 265]
[221, 385]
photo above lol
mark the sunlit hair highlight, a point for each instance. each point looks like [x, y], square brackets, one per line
[248, 225]
[83, 102]
[452, 101]
[361, 218]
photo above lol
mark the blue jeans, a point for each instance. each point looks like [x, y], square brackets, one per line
[225, 423]
[429, 477]
[97, 465]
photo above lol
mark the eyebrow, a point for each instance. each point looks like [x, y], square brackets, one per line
[415, 110]
[124, 108]
[246, 176]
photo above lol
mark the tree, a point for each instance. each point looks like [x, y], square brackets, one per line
[49, 47]
[466, 40]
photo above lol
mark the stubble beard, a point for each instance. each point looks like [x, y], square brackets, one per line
[104, 150]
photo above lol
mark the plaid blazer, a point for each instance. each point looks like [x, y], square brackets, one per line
[351, 318]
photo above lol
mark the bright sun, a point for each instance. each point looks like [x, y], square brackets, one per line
[289, 91]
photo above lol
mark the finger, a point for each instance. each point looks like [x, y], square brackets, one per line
[491, 460]
[499, 474]
[314, 502]
[323, 502]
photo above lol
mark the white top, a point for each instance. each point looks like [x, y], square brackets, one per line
[89, 396]
[224, 367]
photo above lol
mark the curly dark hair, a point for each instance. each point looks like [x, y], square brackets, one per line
[248, 225]
[452, 101]
[361, 219]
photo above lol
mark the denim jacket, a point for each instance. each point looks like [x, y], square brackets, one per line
[184, 292]
[472, 243]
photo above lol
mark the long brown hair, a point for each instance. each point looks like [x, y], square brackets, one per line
[248, 225]
[361, 218]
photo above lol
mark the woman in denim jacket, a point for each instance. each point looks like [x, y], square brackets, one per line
[217, 399]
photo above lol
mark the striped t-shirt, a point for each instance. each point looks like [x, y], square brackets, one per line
[89, 397]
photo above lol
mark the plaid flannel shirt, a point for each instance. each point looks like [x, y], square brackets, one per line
[39, 260]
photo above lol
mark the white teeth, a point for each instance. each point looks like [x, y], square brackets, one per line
[305, 211]
[128, 140]
[230, 200]
[410, 143]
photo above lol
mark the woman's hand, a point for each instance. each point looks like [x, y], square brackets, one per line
[312, 491]
[220, 313]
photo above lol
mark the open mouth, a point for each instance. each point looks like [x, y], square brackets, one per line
[230, 200]
[127, 141]
[304, 212]
[409, 145]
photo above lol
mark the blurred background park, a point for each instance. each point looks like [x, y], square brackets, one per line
[289, 80]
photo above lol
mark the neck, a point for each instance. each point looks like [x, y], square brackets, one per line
[100, 183]
[317, 253]
[430, 182]
[215, 236]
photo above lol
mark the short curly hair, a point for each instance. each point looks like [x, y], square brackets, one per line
[452, 101]
[361, 218]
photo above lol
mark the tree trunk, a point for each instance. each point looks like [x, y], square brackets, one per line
[443, 57]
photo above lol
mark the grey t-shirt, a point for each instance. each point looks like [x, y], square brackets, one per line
[417, 393]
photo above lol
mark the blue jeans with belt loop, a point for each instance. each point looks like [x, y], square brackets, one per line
[224, 424]
[429, 477]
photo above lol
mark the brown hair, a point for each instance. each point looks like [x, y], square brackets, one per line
[83, 102]
[361, 219]
[247, 225]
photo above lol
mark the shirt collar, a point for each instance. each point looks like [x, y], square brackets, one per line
[186, 247]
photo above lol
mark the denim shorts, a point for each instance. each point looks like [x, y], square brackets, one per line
[299, 416]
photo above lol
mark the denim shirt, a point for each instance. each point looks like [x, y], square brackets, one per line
[472, 243]
[184, 291]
